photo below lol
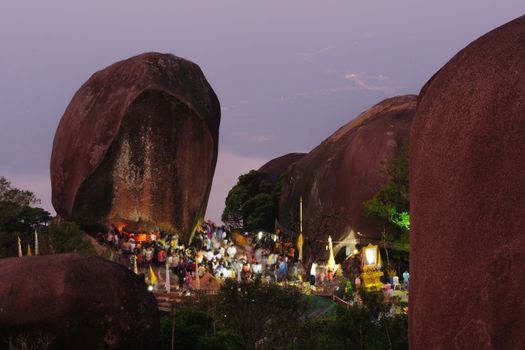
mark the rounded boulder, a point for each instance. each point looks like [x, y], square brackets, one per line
[137, 146]
[75, 301]
[341, 173]
[467, 184]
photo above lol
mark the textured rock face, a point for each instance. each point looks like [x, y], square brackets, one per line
[342, 172]
[467, 184]
[79, 301]
[138, 143]
[276, 167]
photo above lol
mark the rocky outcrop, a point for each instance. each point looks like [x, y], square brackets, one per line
[75, 301]
[276, 167]
[467, 184]
[138, 144]
[343, 172]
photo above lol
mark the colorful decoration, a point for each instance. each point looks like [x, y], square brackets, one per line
[36, 243]
[331, 260]
[152, 276]
[19, 248]
[371, 264]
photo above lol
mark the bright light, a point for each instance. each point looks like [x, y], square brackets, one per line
[260, 235]
[370, 254]
[150, 288]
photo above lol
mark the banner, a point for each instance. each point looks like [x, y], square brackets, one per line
[36, 243]
[19, 248]
[152, 276]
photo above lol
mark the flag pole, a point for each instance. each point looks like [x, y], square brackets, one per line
[300, 240]
[168, 285]
[301, 214]
[197, 277]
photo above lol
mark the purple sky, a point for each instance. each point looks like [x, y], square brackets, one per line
[287, 73]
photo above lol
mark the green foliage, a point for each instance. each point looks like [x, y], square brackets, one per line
[356, 328]
[266, 314]
[16, 212]
[190, 325]
[251, 205]
[391, 204]
[14, 195]
[194, 330]
[166, 327]
[18, 218]
[221, 340]
[66, 237]
[9, 243]
[22, 219]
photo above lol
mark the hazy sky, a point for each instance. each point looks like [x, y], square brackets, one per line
[288, 73]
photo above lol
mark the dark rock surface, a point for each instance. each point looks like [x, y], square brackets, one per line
[277, 166]
[342, 172]
[138, 143]
[467, 184]
[79, 301]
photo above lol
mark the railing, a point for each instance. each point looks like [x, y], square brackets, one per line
[341, 302]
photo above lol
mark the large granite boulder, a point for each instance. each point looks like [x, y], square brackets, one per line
[341, 173]
[467, 184]
[277, 166]
[138, 144]
[75, 301]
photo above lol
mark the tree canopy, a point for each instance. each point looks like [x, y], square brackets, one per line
[19, 218]
[258, 315]
[251, 204]
[391, 204]
[15, 195]
[17, 213]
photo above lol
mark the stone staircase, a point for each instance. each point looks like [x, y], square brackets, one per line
[165, 300]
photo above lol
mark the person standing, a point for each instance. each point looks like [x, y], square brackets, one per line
[109, 238]
[313, 272]
[161, 257]
[406, 276]
[149, 255]
[357, 283]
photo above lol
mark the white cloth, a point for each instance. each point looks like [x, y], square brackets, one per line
[231, 251]
[313, 269]
[209, 255]
[257, 268]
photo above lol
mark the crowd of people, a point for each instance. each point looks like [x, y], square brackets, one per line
[223, 254]
[214, 250]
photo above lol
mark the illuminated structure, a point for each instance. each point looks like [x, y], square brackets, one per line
[371, 260]
[331, 260]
